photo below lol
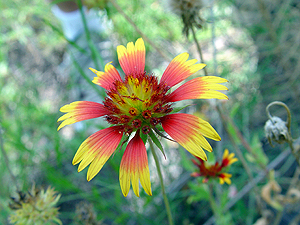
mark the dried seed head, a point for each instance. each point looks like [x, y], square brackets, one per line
[189, 11]
[276, 129]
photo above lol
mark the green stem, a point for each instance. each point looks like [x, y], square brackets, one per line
[162, 184]
[212, 202]
[94, 53]
[199, 50]
[88, 36]
[60, 33]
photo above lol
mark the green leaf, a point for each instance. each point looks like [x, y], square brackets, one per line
[56, 220]
[177, 109]
[122, 142]
[235, 109]
[156, 142]
[143, 136]
[200, 192]
[258, 150]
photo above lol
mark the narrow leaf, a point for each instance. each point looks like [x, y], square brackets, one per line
[143, 136]
[157, 142]
[177, 109]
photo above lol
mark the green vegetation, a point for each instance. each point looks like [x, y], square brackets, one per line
[253, 45]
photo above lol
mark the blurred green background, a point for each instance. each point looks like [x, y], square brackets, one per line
[253, 44]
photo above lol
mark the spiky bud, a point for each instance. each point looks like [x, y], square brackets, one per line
[35, 207]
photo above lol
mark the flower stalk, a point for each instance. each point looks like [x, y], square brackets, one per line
[212, 202]
[199, 49]
[163, 191]
[89, 40]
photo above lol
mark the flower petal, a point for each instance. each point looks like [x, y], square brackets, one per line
[134, 167]
[188, 131]
[132, 58]
[228, 159]
[81, 110]
[180, 69]
[225, 177]
[225, 154]
[200, 88]
[195, 174]
[106, 79]
[97, 149]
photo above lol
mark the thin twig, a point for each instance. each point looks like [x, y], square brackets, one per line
[266, 15]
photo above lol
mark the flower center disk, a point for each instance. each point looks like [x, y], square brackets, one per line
[138, 102]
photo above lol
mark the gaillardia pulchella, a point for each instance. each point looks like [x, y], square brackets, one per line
[215, 171]
[138, 105]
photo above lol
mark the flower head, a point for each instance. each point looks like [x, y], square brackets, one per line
[36, 207]
[216, 170]
[139, 105]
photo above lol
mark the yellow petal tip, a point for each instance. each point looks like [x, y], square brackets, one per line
[93, 70]
[60, 126]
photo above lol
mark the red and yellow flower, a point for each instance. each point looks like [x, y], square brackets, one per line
[138, 105]
[216, 170]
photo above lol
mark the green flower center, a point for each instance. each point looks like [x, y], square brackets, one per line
[137, 103]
